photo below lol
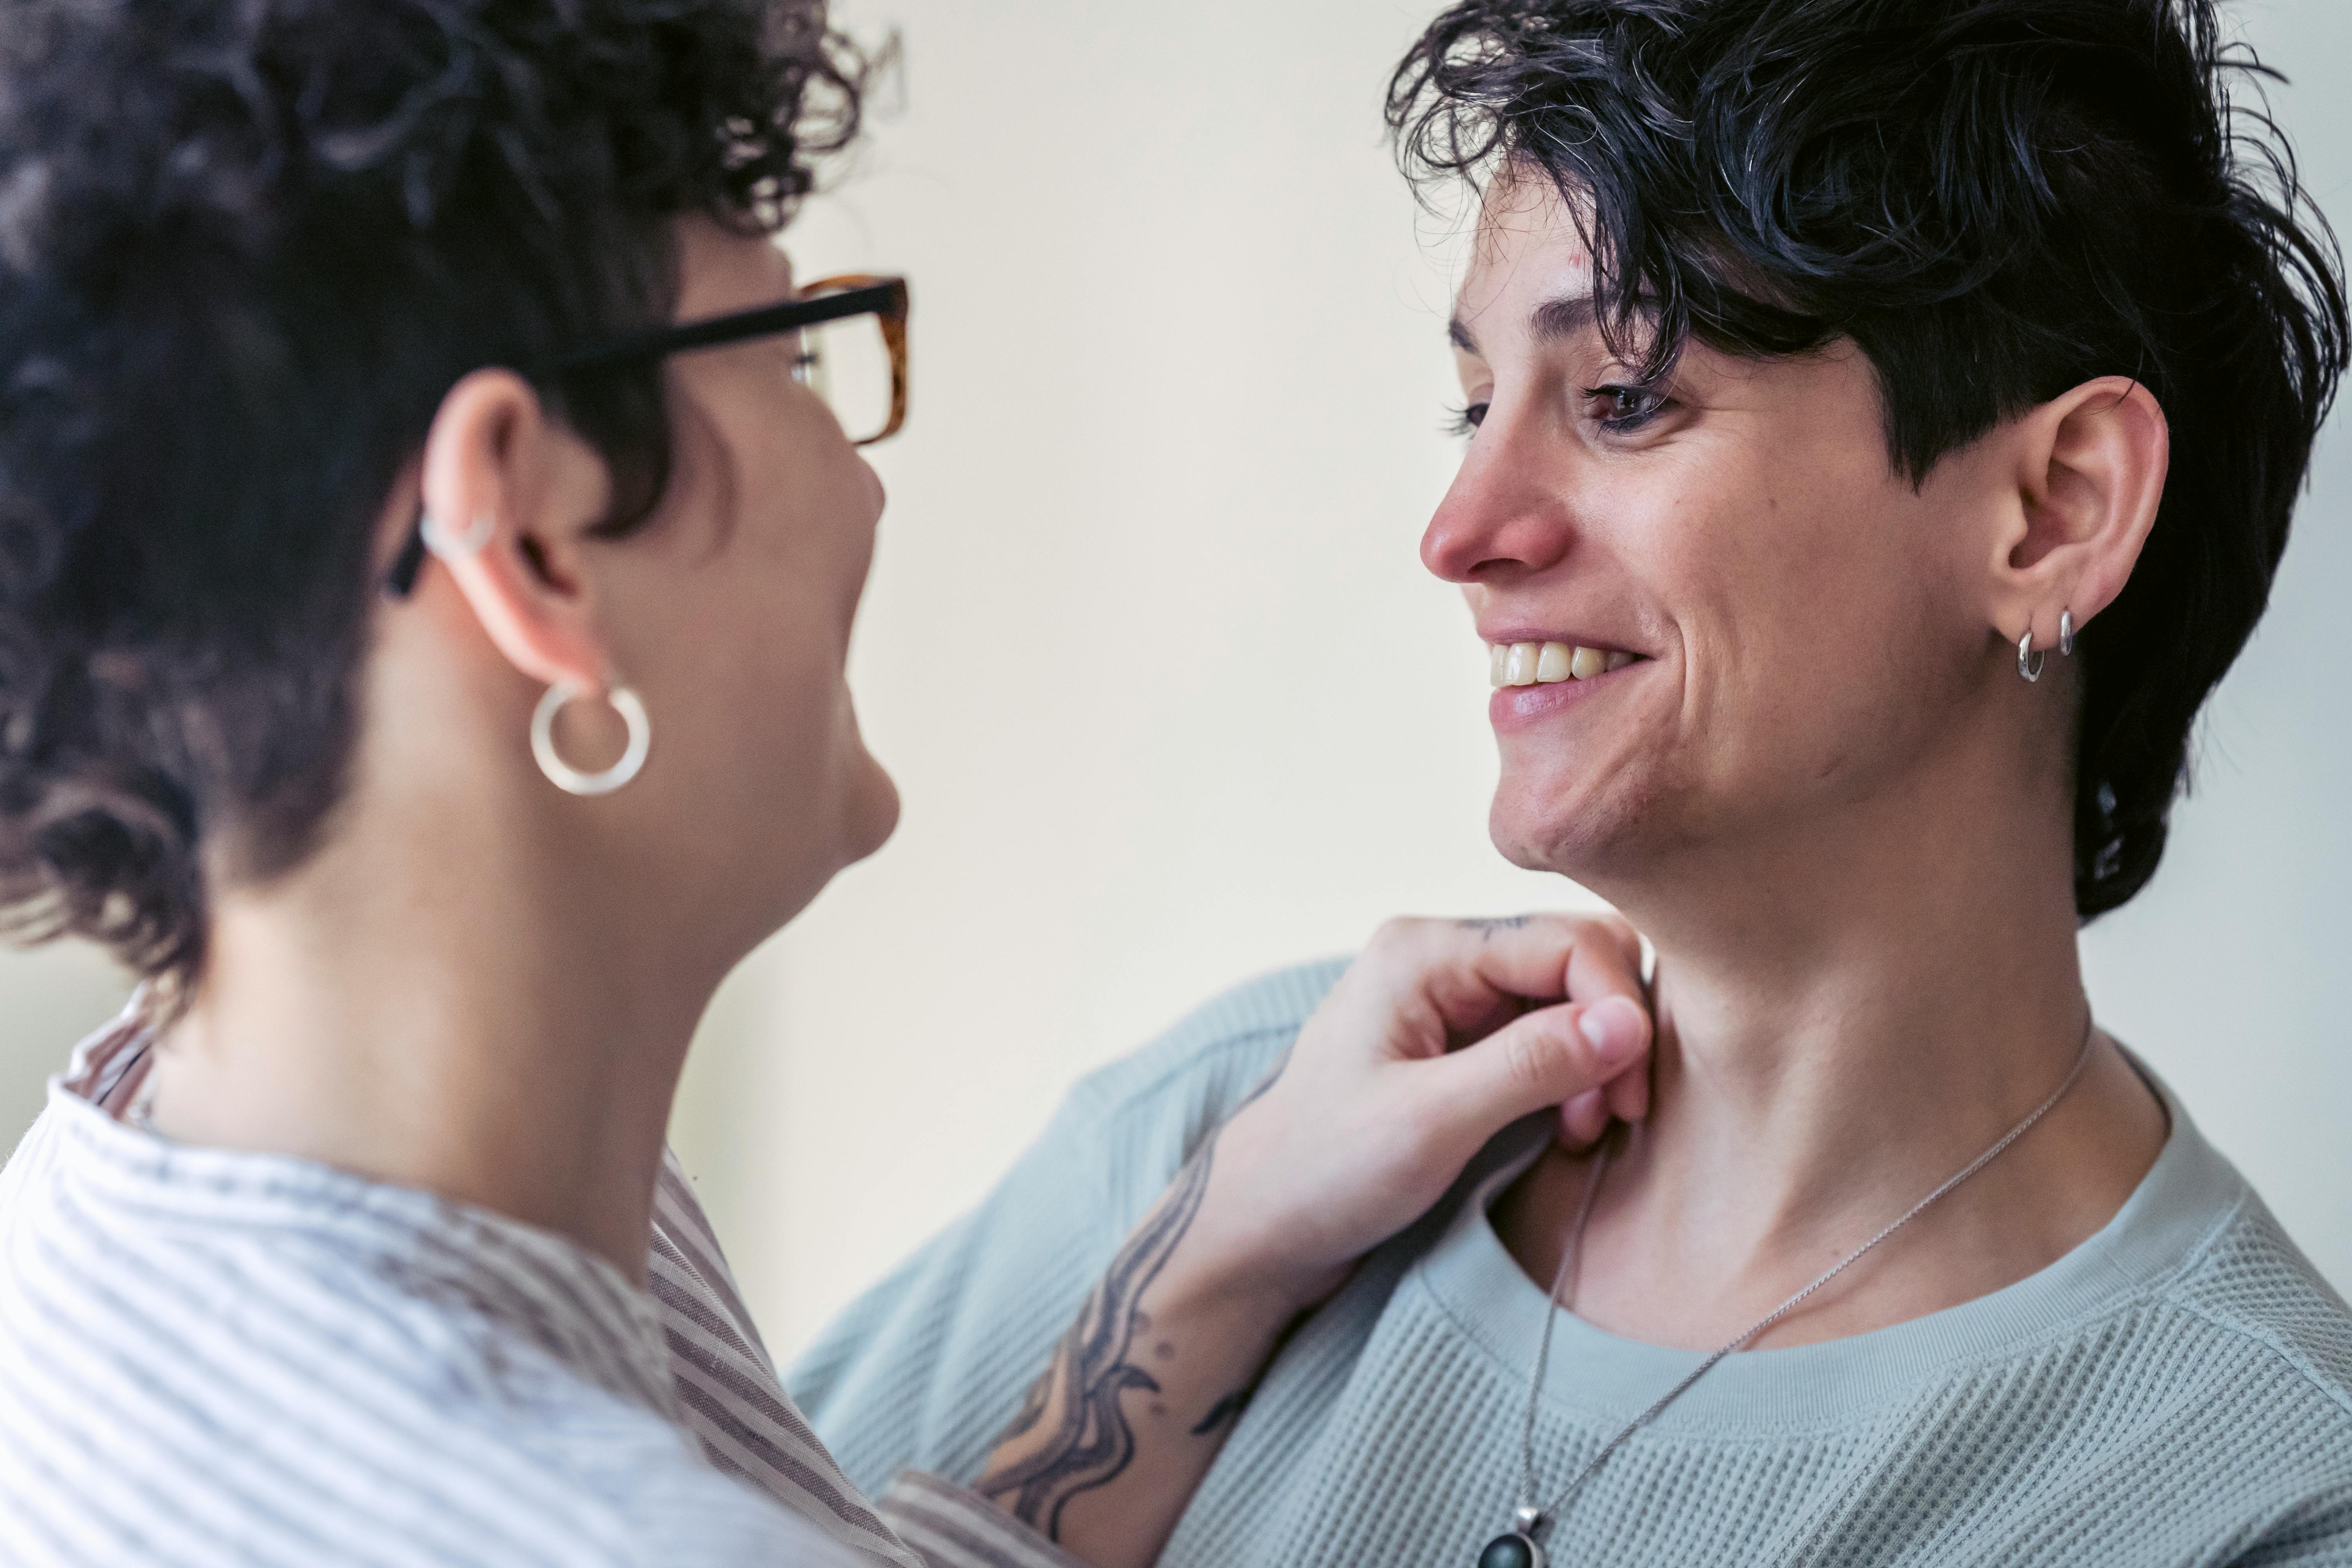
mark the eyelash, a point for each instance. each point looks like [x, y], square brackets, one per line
[1653, 402]
[1464, 419]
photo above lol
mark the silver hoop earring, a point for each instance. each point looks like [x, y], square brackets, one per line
[2028, 663]
[563, 774]
[457, 546]
[2065, 634]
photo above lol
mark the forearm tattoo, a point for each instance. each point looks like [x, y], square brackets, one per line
[1092, 1442]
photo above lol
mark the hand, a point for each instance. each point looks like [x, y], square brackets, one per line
[1441, 1034]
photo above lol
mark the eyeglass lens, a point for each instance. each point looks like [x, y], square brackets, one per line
[847, 364]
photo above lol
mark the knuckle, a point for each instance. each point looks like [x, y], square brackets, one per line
[1400, 938]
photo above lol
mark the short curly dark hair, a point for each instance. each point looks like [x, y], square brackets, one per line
[245, 250]
[1996, 200]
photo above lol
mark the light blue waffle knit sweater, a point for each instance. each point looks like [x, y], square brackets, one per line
[2177, 1390]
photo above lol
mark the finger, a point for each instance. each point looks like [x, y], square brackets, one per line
[1607, 961]
[1478, 974]
[1540, 1061]
[1628, 1094]
[1583, 1119]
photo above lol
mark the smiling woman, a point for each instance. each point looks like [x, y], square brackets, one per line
[2156, 255]
[1883, 419]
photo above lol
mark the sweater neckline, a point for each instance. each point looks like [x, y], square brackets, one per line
[2186, 1196]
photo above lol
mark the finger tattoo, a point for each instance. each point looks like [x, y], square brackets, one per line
[1486, 926]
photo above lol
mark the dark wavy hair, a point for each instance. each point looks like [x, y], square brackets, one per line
[1996, 200]
[245, 250]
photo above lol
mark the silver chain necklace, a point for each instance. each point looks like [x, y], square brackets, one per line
[1521, 1546]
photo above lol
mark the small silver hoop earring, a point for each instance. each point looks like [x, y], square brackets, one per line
[457, 546]
[2065, 634]
[2028, 663]
[563, 774]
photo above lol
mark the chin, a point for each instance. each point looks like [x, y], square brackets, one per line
[1569, 825]
[866, 816]
[872, 809]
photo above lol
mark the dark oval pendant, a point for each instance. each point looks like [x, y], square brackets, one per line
[1512, 1550]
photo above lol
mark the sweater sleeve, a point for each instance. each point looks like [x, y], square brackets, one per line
[926, 1371]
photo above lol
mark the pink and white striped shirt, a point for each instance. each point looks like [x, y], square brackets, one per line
[212, 1356]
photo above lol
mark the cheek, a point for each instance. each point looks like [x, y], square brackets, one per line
[757, 636]
[1823, 639]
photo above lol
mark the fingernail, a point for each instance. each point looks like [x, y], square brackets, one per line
[1615, 1028]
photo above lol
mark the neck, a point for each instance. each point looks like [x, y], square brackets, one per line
[1847, 1016]
[1831, 1021]
[482, 1022]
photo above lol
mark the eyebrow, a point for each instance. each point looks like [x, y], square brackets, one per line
[1565, 317]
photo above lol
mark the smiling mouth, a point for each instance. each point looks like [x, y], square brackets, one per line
[1549, 663]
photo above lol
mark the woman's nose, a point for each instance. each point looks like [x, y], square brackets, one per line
[1500, 517]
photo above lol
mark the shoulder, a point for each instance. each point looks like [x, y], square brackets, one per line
[339, 1429]
[2198, 1238]
[658, 1505]
[1127, 1127]
[2231, 1374]
[922, 1369]
[2253, 1291]
[2250, 1358]
[1210, 1060]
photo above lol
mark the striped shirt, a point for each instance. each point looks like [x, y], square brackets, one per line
[213, 1356]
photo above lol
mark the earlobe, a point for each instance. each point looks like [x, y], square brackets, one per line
[2091, 465]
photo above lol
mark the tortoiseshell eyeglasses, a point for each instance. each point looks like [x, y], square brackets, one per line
[852, 352]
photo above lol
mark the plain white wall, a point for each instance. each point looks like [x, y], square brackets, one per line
[1172, 702]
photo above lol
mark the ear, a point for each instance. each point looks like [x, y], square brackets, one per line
[517, 492]
[2091, 468]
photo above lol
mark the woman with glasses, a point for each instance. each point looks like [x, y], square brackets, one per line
[430, 531]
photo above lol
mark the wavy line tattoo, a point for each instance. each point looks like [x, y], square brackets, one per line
[1093, 1443]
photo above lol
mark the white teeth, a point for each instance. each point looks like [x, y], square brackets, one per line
[1528, 663]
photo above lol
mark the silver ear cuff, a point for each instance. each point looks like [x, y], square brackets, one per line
[457, 546]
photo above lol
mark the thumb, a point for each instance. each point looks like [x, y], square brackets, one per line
[1536, 1062]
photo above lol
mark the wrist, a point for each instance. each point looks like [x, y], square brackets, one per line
[1234, 1285]
[1246, 1253]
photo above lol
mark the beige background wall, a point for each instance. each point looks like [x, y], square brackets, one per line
[1168, 697]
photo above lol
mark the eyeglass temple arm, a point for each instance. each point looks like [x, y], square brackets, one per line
[826, 299]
